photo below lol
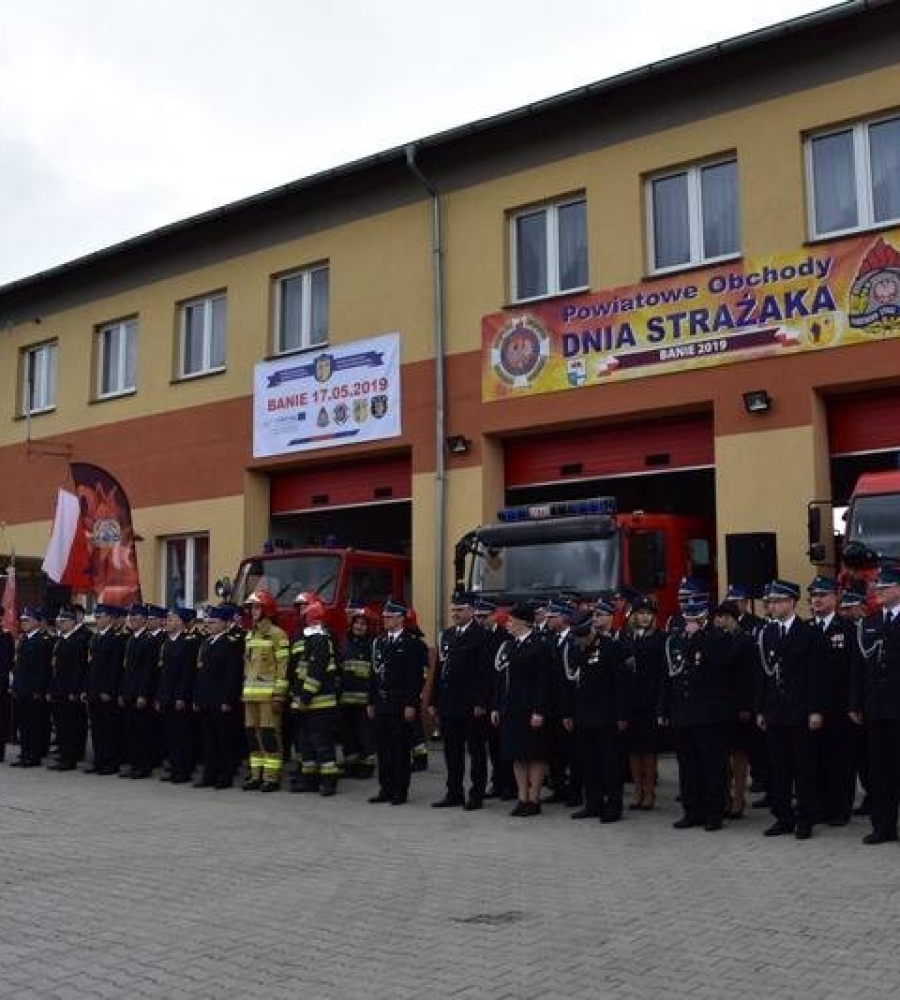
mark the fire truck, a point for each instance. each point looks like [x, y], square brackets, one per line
[872, 534]
[337, 576]
[583, 548]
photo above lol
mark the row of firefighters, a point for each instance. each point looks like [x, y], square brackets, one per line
[544, 691]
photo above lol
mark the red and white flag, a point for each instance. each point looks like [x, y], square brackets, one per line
[68, 558]
[10, 614]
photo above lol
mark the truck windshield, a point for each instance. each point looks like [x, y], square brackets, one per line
[875, 522]
[581, 566]
[286, 576]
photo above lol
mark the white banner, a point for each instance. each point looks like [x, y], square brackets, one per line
[322, 399]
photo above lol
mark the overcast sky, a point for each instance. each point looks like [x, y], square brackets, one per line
[118, 116]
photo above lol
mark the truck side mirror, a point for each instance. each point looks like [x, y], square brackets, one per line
[818, 553]
[224, 588]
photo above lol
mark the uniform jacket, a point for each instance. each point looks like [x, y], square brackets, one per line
[7, 658]
[841, 653]
[790, 679]
[70, 663]
[702, 680]
[178, 668]
[220, 672]
[645, 656]
[527, 686]
[107, 655]
[313, 669]
[397, 673]
[34, 653]
[875, 689]
[140, 668]
[356, 671]
[463, 673]
[750, 623]
[599, 683]
[267, 651]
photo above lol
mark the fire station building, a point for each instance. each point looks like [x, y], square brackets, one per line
[679, 286]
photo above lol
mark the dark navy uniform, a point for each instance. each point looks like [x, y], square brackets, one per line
[313, 678]
[461, 696]
[502, 783]
[31, 678]
[106, 659]
[67, 681]
[600, 696]
[875, 695]
[137, 691]
[7, 658]
[356, 727]
[526, 690]
[217, 702]
[174, 698]
[397, 679]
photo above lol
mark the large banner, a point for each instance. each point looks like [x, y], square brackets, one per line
[341, 395]
[833, 295]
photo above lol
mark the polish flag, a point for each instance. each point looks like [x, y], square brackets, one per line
[10, 617]
[68, 556]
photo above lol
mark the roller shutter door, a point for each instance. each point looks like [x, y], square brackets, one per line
[348, 484]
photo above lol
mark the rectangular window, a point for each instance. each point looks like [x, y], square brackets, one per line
[39, 375]
[693, 216]
[185, 570]
[853, 177]
[117, 358]
[301, 309]
[203, 335]
[549, 250]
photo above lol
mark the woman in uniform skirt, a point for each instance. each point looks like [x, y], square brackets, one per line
[645, 655]
[521, 705]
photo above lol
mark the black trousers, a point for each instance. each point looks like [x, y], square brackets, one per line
[141, 739]
[5, 714]
[393, 742]
[502, 778]
[356, 734]
[461, 735]
[34, 726]
[702, 753]
[793, 772]
[564, 761]
[106, 733]
[314, 739]
[884, 773]
[600, 751]
[70, 722]
[220, 736]
[180, 740]
[837, 769]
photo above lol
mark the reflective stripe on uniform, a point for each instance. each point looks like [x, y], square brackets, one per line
[354, 698]
[257, 689]
[329, 769]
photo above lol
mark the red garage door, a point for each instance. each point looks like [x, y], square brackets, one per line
[348, 484]
[616, 450]
[864, 422]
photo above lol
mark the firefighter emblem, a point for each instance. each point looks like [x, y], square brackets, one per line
[360, 410]
[324, 367]
[379, 406]
[875, 292]
[520, 351]
[341, 413]
[323, 420]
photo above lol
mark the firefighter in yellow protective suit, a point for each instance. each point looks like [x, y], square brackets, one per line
[266, 655]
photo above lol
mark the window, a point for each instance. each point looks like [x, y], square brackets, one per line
[301, 309]
[693, 215]
[370, 585]
[186, 570]
[116, 358]
[38, 392]
[203, 335]
[853, 177]
[549, 250]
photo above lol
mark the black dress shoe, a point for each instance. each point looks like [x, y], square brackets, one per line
[107, 770]
[586, 813]
[141, 773]
[877, 837]
[778, 829]
[380, 797]
[399, 800]
[712, 825]
[91, 770]
[249, 785]
[65, 767]
[686, 823]
[266, 786]
[473, 802]
[127, 773]
[532, 809]
[519, 809]
[224, 783]
[838, 821]
[734, 814]
[18, 762]
[204, 783]
[803, 831]
[611, 816]
[448, 802]
[180, 779]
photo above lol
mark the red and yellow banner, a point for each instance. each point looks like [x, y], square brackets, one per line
[836, 295]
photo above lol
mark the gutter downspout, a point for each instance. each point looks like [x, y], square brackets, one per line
[440, 475]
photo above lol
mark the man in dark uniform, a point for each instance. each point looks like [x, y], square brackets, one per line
[68, 678]
[837, 761]
[564, 762]
[217, 698]
[756, 743]
[7, 658]
[31, 678]
[393, 702]
[852, 608]
[106, 659]
[790, 705]
[690, 590]
[747, 621]
[600, 697]
[502, 783]
[460, 698]
[875, 701]
[137, 691]
[175, 692]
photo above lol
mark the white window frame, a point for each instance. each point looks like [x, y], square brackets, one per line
[306, 276]
[190, 555]
[862, 166]
[46, 365]
[123, 326]
[551, 208]
[207, 302]
[695, 216]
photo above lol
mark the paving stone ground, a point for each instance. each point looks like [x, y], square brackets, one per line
[114, 888]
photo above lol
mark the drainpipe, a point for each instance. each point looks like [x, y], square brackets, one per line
[440, 476]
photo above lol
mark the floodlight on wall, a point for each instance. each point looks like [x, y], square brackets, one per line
[458, 445]
[757, 401]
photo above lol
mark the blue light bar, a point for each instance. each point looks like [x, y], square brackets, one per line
[566, 508]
